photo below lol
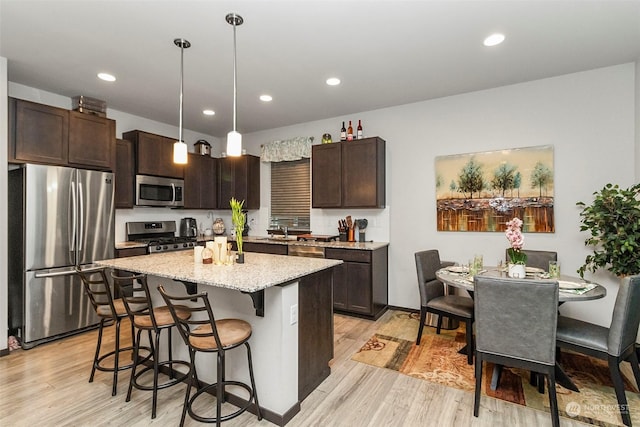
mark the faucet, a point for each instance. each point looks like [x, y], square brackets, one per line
[285, 229]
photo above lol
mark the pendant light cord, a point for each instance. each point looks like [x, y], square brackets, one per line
[235, 76]
[181, 87]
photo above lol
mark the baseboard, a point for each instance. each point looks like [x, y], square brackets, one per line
[4, 352]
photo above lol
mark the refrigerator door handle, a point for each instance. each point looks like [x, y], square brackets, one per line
[74, 219]
[81, 215]
[55, 274]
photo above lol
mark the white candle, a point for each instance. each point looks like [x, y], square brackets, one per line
[197, 254]
[222, 256]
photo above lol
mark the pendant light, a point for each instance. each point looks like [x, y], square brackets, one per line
[234, 139]
[179, 147]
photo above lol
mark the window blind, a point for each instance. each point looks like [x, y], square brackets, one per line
[290, 193]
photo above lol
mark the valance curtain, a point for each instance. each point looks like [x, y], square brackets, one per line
[287, 150]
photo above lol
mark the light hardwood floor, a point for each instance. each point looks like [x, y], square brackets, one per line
[48, 386]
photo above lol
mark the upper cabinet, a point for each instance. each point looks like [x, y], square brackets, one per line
[45, 134]
[125, 174]
[239, 177]
[349, 174]
[154, 154]
[201, 182]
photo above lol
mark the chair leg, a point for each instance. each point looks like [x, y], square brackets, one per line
[469, 328]
[219, 391]
[97, 355]
[423, 318]
[253, 382]
[156, 353]
[192, 372]
[478, 389]
[136, 351]
[553, 399]
[635, 366]
[439, 327]
[116, 359]
[618, 384]
[171, 372]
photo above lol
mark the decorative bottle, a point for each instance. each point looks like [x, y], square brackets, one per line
[359, 130]
[343, 133]
[350, 132]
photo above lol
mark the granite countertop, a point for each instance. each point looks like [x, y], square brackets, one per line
[258, 272]
[129, 245]
[367, 246]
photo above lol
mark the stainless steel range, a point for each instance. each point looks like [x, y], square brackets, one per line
[160, 236]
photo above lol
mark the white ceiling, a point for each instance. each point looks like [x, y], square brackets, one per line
[385, 52]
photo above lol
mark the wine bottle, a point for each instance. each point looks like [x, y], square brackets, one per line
[350, 132]
[343, 133]
[359, 130]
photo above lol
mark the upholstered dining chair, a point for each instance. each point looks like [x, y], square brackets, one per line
[516, 326]
[614, 344]
[537, 259]
[433, 298]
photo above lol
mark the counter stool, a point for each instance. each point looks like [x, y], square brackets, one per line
[211, 336]
[111, 311]
[153, 320]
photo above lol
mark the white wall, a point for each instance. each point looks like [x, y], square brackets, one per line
[4, 317]
[588, 117]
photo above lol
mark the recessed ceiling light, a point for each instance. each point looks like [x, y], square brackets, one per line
[266, 98]
[333, 81]
[494, 39]
[107, 77]
[208, 112]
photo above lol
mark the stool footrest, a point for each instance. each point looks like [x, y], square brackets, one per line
[206, 389]
[180, 377]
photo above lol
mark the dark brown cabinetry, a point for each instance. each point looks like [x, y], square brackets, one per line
[264, 248]
[125, 174]
[239, 177]
[154, 154]
[349, 174]
[360, 283]
[50, 135]
[200, 182]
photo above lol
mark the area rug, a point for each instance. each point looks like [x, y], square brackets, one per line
[437, 360]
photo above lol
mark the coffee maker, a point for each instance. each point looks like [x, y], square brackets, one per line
[188, 227]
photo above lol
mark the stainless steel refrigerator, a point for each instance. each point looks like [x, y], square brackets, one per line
[59, 219]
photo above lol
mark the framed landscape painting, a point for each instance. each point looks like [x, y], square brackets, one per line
[482, 191]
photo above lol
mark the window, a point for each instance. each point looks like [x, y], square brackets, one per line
[290, 194]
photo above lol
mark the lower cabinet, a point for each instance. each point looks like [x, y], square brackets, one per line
[263, 248]
[360, 284]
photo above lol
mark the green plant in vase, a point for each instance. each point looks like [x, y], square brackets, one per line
[613, 221]
[238, 220]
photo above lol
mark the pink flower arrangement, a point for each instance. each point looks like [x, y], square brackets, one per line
[516, 240]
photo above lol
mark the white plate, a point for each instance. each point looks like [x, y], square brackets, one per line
[571, 285]
[457, 269]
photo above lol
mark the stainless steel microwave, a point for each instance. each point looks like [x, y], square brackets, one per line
[158, 191]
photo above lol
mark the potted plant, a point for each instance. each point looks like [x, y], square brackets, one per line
[238, 219]
[613, 221]
[517, 258]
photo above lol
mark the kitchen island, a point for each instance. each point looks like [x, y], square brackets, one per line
[292, 341]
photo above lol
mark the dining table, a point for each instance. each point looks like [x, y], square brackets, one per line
[571, 289]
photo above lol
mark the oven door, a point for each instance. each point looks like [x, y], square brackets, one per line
[158, 191]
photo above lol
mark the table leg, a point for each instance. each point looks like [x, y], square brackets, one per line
[563, 379]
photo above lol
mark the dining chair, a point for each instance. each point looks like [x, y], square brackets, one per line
[202, 332]
[152, 319]
[614, 344]
[516, 326]
[111, 311]
[433, 298]
[537, 259]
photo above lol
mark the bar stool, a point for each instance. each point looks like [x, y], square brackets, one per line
[211, 336]
[154, 320]
[111, 311]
